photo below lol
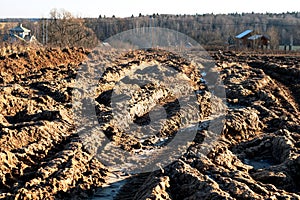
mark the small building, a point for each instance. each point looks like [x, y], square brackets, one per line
[20, 33]
[259, 41]
[242, 38]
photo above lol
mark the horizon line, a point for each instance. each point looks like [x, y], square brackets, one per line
[158, 14]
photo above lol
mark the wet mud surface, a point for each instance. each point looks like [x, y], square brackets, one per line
[256, 155]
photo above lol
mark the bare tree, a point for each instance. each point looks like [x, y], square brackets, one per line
[66, 30]
[274, 38]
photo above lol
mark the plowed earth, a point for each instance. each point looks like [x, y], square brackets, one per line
[256, 157]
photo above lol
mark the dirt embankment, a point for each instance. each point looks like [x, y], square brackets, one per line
[256, 157]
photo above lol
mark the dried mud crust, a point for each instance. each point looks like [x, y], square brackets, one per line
[257, 156]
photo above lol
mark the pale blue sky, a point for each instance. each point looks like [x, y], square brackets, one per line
[124, 8]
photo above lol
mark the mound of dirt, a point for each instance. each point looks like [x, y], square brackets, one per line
[256, 156]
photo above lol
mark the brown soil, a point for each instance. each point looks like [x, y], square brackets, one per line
[256, 157]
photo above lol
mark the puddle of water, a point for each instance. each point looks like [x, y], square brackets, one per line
[259, 164]
[109, 192]
[112, 188]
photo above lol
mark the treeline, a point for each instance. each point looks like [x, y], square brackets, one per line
[63, 29]
[208, 29]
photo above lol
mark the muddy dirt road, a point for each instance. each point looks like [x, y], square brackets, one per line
[256, 157]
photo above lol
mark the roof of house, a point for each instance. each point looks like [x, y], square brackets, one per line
[255, 37]
[20, 28]
[243, 34]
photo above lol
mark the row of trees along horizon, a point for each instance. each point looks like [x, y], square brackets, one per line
[63, 29]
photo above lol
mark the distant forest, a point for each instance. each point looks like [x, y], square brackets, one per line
[63, 29]
[208, 29]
